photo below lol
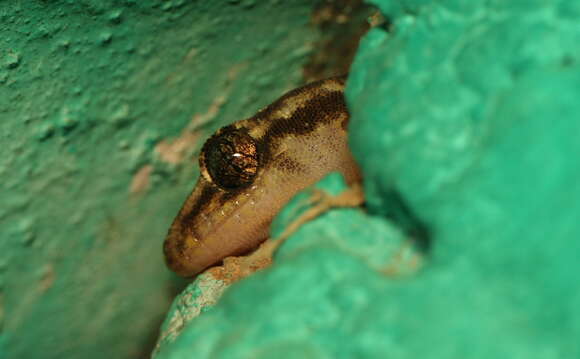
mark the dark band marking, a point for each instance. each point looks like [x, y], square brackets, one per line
[201, 203]
[265, 113]
[306, 118]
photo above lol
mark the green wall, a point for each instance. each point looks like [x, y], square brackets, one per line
[464, 121]
[102, 107]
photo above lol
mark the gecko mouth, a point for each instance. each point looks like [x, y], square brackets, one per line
[197, 241]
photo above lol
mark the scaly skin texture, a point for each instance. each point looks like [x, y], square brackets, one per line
[251, 168]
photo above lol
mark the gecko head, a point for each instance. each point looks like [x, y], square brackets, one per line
[251, 168]
[226, 213]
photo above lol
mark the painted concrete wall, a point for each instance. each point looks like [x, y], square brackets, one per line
[464, 121]
[102, 107]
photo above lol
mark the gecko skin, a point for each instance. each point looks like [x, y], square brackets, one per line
[251, 168]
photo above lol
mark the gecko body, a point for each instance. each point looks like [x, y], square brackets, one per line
[251, 168]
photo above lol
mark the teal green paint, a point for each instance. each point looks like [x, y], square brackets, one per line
[466, 115]
[87, 90]
[197, 298]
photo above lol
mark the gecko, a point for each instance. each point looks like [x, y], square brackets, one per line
[250, 169]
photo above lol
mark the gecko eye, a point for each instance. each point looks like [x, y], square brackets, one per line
[231, 158]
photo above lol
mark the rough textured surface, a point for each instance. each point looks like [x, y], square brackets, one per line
[465, 125]
[102, 105]
[477, 108]
[198, 297]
